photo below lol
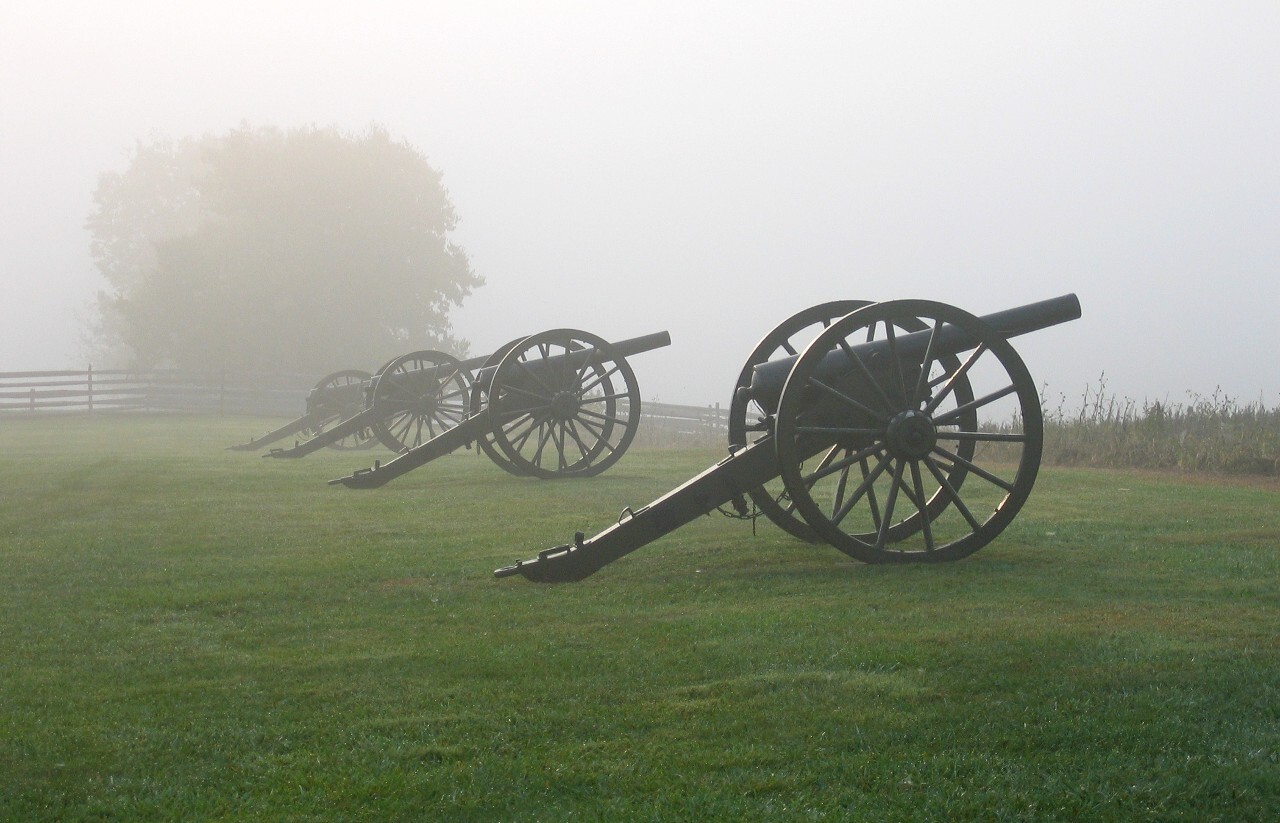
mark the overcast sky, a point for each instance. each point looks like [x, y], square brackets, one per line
[711, 167]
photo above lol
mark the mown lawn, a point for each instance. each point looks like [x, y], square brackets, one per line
[191, 633]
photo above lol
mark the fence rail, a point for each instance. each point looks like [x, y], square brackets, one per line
[102, 391]
[93, 390]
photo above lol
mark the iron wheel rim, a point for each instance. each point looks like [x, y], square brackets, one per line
[584, 414]
[417, 397]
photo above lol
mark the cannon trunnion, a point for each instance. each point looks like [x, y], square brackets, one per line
[904, 431]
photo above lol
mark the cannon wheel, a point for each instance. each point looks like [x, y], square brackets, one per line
[772, 499]
[563, 420]
[908, 434]
[345, 382]
[479, 398]
[412, 407]
[747, 416]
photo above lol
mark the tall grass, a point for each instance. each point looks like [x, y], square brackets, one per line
[1101, 429]
[1215, 433]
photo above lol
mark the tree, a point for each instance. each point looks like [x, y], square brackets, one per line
[306, 250]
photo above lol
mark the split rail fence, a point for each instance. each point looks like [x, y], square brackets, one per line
[99, 391]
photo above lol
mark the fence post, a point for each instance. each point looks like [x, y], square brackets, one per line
[90, 387]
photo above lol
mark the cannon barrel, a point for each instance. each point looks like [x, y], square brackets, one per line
[769, 378]
[623, 348]
[902, 443]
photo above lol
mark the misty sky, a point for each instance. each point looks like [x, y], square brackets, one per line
[711, 167]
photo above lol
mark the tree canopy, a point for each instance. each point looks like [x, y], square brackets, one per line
[306, 250]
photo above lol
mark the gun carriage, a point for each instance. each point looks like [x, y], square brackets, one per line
[336, 397]
[409, 400]
[905, 431]
[561, 403]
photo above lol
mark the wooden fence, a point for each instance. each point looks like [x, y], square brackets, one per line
[664, 424]
[103, 391]
[93, 390]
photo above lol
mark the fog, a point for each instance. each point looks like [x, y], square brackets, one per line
[710, 168]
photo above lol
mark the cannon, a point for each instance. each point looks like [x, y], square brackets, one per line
[904, 431]
[336, 397]
[408, 401]
[561, 403]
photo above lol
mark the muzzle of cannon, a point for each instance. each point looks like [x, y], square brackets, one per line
[335, 398]
[562, 403]
[903, 431]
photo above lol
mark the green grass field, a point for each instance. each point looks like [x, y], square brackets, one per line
[191, 633]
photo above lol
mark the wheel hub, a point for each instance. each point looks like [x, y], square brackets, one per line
[911, 435]
[429, 401]
[565, 405]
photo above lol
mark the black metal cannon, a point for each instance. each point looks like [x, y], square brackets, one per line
[905, 431]
[408, 401]
[561, 403]
[336, 397]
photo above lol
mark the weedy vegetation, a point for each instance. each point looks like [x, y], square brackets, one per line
[1216, 433]
[190, 633]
